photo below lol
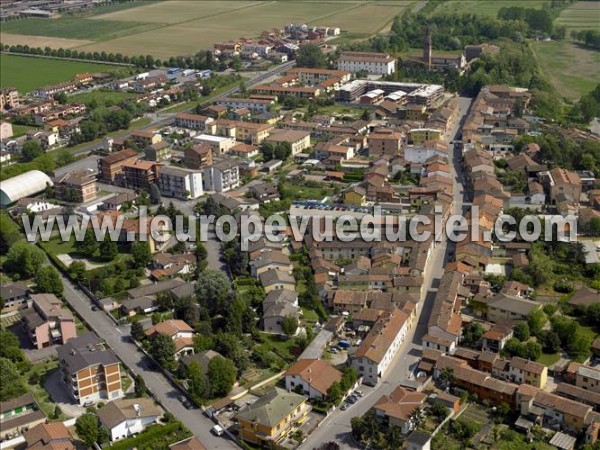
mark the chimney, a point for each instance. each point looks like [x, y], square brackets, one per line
[138, 409]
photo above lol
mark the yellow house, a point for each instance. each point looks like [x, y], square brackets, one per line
[357, 196]
[422, 135]
[272, 417]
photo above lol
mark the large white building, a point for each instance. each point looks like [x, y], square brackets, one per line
[420, 153]
[127, 417]
[378, 349]
[218, 144]
[371, 62]
[180, 183]
[25, 185]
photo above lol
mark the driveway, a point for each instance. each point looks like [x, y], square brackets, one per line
[58, 393]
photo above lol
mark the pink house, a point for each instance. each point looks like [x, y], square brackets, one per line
[49, 322]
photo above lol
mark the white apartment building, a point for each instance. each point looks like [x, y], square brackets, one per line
[378, 349]
[180, 183]
[420, 153]
[218, 144]
[222, 176]
[253, 104]
[371, 62]
[193, 121]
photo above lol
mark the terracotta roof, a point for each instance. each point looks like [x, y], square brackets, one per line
[381, 336]
[316, 372]
[169, 327]
[400, 404]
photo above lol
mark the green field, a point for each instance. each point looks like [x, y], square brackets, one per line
[27, 74]
[573, 70]
[484, 7]
[580, 16]
[74, 28]
[102, 97]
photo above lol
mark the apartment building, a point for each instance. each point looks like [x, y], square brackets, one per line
[9, 98]
[371, 62]
[253, 104]
[298, 140]
[385, 142]
[78, 186]
[374, 355]
[419, 154]
[193, 121]
[49, 322]
[180, 183]
[218, 144]
[249, 132]
[222, 176]
[140, 174]
[199, 156]
[583, 376]
[419, 136]
[272, 417]
[291, 91]
[110, 168]
[159, 152]
[91, 371]
[521, 371]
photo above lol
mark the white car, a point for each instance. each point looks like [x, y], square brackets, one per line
[218, 430]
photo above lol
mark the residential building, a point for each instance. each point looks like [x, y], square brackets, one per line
[270, 259]
[78, 186]
[374, 355]
[188, 444]
[248, 132]
[521, 371]
[265, 192]
[19, 414]
[199, 156]
[504, 307]
[110, 168]
[419, 154]
[180, 183]
[179, 331]
[277, 279]
[49, 322]
[9, 98]
[385, 142]
[300, 92]
[419, 136]
[370, 62]
[277, 306]
[218, 144]
[244, 150]
[298, 140]
[193, 121]
[418, 440]
[116, 202]
[91, 371]
[272, 417]
[253, 104]
[49, 436]
[6, 130]
[124, 418]
[15, 296]
[145, 138]
[398, 409]
[562, 185]
[222, 176]
[583, 376]
[167, 265]
[495, 339]
[159, 152]
[140, 174]
[314, 376]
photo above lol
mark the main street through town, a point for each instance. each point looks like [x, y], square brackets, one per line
[336, 427]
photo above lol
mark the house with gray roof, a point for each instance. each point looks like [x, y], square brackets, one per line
[503, 307]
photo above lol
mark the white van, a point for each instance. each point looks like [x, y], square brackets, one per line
[218, 430]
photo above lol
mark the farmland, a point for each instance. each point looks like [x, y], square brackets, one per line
[579, 16]
[27, 74]
[484, 7]
[183, 27]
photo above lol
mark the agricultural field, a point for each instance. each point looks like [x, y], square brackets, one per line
[572, 69]
[27, 73]
[484, 7]
[580, 16]
[41, 41]
[182, 27]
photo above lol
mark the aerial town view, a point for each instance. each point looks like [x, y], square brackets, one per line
[300, 224]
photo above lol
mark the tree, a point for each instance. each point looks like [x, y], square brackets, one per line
[221, 374]
[31, 150]
[311, 56]
[77, 270]
[11, 385]
[213, 290]
[61, 98]
[137, 331]
[89, 245]
[163, 351]
[446, 376]
[9, 233]
[86, 427]
[335, 393]
[140, 386]
[141, 254]
[472, 335]
[551, 342]
[198, 385]
[48, 280]
[24, 259]
[521, 331]
[536, 321]
[155, 197]
[108, 248]
[289, 325]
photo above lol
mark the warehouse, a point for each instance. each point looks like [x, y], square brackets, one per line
[25, 185]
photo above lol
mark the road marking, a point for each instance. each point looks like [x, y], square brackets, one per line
[120, 332]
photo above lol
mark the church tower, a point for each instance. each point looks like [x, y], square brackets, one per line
[427, 48]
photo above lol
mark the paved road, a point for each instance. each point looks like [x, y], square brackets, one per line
[337, 426]
[119, 340]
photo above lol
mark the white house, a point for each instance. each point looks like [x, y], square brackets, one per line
[125, 417]
[180, 183]
[222, 176]
[419, 154]
[315, 376]
[374, 355]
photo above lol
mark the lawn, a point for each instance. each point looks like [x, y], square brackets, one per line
[485, 7]
[580, 16]
[21, 130]
[102, 97]
[309, 315]
[28, 73]
[548, 359]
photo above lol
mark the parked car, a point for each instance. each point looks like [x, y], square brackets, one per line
[351, 400]
[333, 350]
[345, 406]
[359, 393]
[218, 430]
